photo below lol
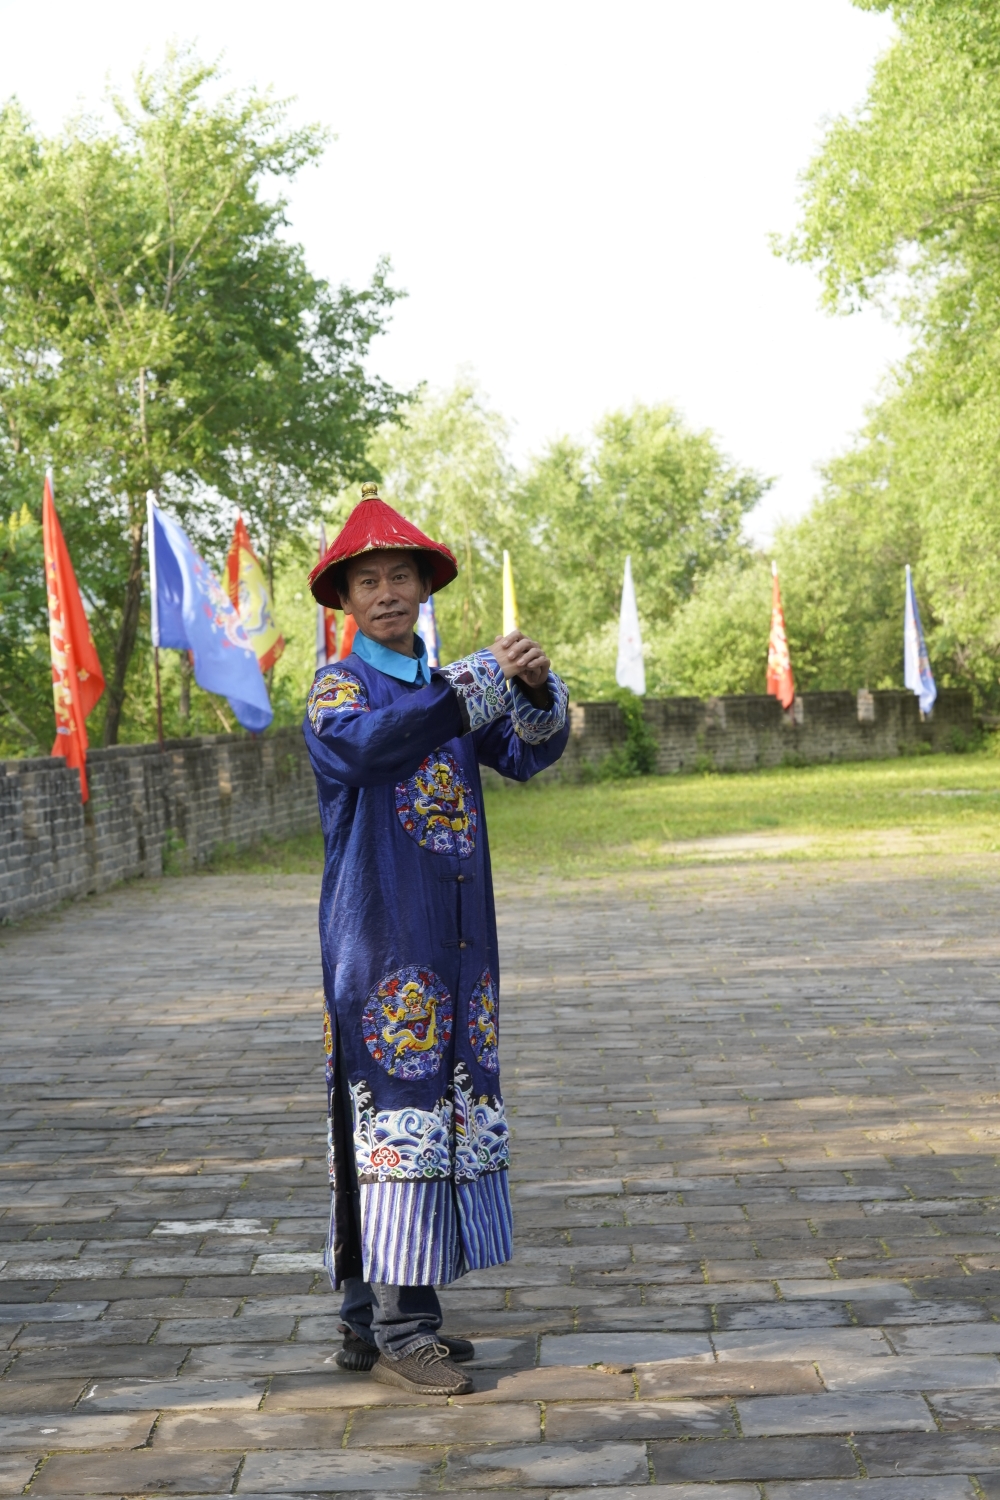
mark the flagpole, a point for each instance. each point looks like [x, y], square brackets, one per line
[154, 618]
[159, 695]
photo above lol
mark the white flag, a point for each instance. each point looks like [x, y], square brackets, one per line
[917, 673]
[630, 672]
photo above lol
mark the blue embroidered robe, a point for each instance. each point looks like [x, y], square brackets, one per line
[410, 969]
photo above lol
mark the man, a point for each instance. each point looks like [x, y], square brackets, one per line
[418, 1139]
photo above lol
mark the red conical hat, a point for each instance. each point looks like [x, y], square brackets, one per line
[371, 527]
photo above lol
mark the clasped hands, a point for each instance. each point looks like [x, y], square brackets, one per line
[519, 656]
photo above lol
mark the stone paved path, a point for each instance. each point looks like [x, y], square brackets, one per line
[757, 1121]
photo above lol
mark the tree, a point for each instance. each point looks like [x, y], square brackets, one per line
[25, 725]
[446, 467]
[647, 485]
[158, 333]
[842, 581]
[902, 207]
[717, 640]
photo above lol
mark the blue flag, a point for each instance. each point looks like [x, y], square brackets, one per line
[917, 672]
[428, 632]
[190, 612]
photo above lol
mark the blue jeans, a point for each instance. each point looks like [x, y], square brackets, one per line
[396, 1319]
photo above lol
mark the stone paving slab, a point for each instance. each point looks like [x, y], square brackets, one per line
[755, 1181]
[16, 1470]
[943, 1487]
[182, 1394]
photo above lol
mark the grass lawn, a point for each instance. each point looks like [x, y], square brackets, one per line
[948, 804]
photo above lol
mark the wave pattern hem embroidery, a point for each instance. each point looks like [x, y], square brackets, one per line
[400, 1144]
[481, 1139]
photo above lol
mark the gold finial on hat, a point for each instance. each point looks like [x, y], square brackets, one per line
[369, 492]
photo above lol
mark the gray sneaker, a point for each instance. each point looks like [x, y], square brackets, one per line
[358, 1355]
[428, 1371]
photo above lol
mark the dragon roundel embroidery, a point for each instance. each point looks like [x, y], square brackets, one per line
[336, 691]
[407, 1022]
[437, 808]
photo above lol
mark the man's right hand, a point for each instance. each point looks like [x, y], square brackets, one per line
[519, 656]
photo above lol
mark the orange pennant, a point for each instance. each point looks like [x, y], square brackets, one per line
[780, 682]
[347, 636]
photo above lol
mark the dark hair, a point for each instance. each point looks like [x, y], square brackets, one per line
[423, 562]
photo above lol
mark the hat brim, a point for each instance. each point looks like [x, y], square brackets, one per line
[444, 570]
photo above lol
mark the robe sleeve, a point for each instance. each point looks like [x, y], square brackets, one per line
[527, 739]
[358, 745]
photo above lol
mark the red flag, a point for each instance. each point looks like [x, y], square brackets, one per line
[780, 682]
[77, 679]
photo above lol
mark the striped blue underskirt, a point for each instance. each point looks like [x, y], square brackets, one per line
[431, 1232]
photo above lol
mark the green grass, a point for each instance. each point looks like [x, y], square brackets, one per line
[302, 855]
[935, 804]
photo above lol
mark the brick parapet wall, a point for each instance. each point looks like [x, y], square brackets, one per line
[752, 731]
[146, 805]
[181, 802]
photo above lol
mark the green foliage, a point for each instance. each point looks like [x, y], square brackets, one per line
[637, 757]
[176, 859]
[640, 745]
[842, 570]
[158, 332]
[295, 611]
[902, 206]
[960, 743]
[646, 485]
[842, 581]
[446, 467]
[717, 641]
[26, 717]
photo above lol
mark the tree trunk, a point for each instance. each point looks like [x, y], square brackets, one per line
[125, 644]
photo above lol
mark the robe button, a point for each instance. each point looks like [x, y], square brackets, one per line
[463, 945]
[460, 879]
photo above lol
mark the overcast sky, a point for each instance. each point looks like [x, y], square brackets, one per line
[576, 196]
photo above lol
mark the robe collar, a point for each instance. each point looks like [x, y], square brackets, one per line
[393, 663]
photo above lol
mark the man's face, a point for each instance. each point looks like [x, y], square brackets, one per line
[384, 595]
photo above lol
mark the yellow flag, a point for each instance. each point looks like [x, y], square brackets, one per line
[247, 588]
[510, 620]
